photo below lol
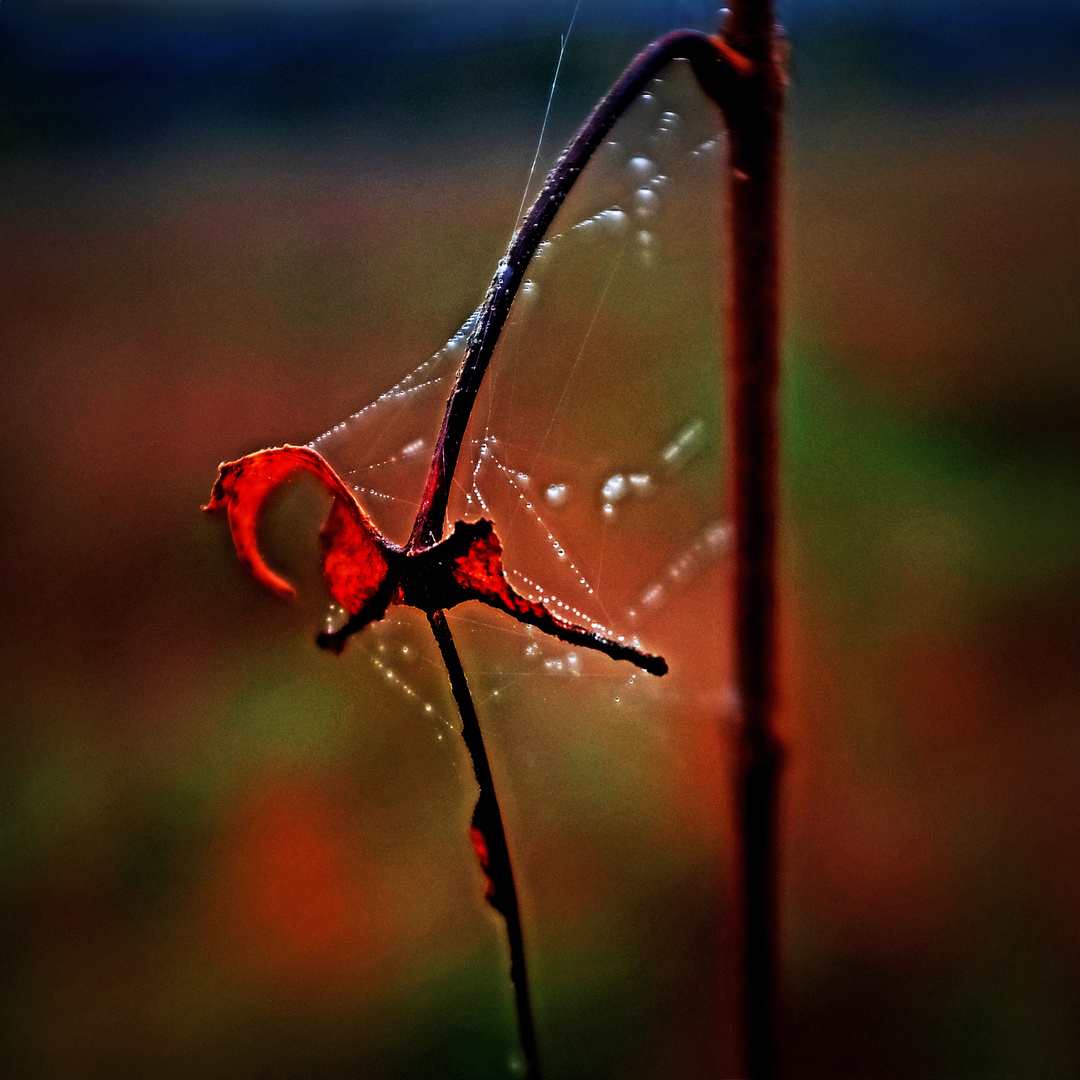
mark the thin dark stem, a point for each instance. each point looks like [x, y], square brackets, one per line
[741, 73]
[489, 839]
[714, 70]
[753, 173]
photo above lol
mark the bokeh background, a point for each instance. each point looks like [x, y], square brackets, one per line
[226, 854]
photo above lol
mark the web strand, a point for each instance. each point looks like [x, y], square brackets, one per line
[547, 112]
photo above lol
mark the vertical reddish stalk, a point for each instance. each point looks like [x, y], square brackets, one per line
[753, 171]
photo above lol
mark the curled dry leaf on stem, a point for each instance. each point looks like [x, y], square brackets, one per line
[366, 573]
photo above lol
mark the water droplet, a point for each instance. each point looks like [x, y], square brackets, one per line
[718, 536]
[684, 446]
[615, 488]
[557, 494]
[641, 483]
[641, 167]
[614, 217]
[336, 617]
[644, 201]
[529, 291]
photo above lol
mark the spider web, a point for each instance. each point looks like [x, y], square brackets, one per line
[595, 444]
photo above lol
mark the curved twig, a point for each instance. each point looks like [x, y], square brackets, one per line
[719, 70]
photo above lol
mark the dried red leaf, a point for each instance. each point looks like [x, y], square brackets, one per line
[365, 572]
[479, 572]
[355, 554]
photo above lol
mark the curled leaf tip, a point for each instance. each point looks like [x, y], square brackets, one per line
[241, 489]
[353, 551]
[217, 492]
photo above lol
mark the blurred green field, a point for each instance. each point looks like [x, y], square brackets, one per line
[225, 853]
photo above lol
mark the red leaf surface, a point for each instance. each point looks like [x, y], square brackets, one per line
[480, 846]
[479, 572]
[355, 554]
[359, 562]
